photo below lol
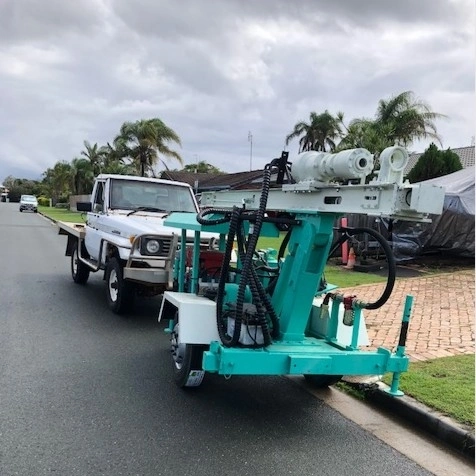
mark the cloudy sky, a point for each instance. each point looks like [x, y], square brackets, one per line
[214, 70]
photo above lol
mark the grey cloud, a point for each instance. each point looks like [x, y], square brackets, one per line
[215, 70]
[376, 12]
[213, 18]
[24, 20]
[191, 67]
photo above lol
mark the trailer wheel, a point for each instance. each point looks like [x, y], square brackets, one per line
[322, 381]
[79, 270]
[119, 293]
[187, 361]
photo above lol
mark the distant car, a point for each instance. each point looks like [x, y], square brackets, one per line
[28, 202]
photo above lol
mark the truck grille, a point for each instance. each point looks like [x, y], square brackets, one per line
[165, 246]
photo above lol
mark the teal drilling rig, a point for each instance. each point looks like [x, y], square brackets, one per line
[237, 310]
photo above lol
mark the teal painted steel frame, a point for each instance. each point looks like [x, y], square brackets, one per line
[296, 351]
[301, 273]
[393, 389]
[311, 356]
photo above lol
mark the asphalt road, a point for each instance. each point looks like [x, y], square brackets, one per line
[86, 392]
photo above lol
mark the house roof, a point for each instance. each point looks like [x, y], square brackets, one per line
[465, 154]
[183, 176]
[213, 181]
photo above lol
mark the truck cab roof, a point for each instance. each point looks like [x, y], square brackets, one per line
[141, 179]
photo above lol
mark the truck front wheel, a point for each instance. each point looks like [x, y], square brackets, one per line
[119, 293]
[79, 270]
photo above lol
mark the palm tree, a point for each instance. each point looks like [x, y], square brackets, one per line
[367, 134]
[407, 118]
[319, 134]
[94, 155]
[144, 140]
[398, 121]
[82, 176]
[113, 160]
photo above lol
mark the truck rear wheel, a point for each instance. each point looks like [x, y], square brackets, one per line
[187, 361]
[119, 293]
[79, 270]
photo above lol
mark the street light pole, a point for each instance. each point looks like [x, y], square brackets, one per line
[196, 163]
[250, 140]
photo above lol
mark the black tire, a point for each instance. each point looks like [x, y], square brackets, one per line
[186, 359]
[79, 270]
[322, 381]
[21, 210]
[119, 293]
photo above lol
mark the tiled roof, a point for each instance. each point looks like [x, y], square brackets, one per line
[187, 177]
[213, 181]
[465, 154]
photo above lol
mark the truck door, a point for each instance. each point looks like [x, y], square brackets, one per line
[93, 234]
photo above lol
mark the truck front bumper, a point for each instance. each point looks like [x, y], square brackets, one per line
[152, 276]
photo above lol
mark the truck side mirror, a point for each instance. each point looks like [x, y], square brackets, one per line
[83, 206]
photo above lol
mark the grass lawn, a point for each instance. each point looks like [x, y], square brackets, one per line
[445, 384]
[333, 274]
[60, 214]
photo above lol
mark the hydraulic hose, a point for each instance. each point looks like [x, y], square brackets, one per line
[218, 221]
[392, 267]
[247, 263]
[233, 218]
[261, 297]
[260, 310]
[249, 276]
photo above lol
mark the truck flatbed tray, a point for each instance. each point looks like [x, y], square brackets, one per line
[70, 228]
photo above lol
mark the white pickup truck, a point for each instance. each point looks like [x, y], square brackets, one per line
[125, 237]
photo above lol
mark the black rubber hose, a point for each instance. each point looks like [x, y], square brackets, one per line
[342, 239]
[218, 221]
[222, 331]
[252, 241]
[254, 284]
[248, 273]
[264, 299]
[272, 283]
[284, 245]
[392, 266]
[267, 304]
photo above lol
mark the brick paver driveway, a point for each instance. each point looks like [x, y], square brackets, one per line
[442, 320]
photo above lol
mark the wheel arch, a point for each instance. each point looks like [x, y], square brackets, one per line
[111, 251]
[71, 244]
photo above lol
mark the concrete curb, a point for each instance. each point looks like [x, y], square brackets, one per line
[440, 426]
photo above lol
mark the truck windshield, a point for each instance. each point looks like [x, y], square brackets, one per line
[152, 196]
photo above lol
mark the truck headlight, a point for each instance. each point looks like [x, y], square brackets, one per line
[152, 247]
